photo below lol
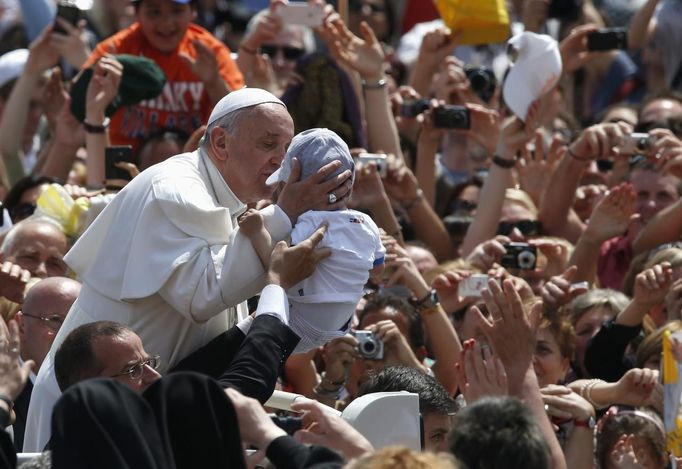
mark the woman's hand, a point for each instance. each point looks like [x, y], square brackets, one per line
[564, 404]
[479, 373]
[636, 386]
[364, 55]
[652, 285]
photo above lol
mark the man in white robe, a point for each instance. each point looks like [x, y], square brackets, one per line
[165, 257]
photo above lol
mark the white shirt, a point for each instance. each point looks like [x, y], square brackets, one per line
[166, 259]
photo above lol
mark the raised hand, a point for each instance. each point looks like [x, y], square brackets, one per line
[13, 375]
[535, 168]
[72, 45]
[652, 285]
[447, 287]
[598, 141]
[103, 86]
[364, 55]
[13, 280]
[574, 53]
[435, 47]
[565, 404]
[666, 151]
[613, 214]
[635, 387]
[559, 290]
[205, 64]
[479, 373]
[42, 54]
[396, 349]
[488, 253]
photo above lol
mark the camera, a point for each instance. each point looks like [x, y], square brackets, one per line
[378, 158]
[519, 256]
[369, 346]
[414, 108]
[567, 10]
[451, 116]
[482, 81]
[635, 144]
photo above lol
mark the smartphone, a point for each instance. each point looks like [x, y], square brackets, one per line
[451, 116]
[635, 144]
[303, 14]
[414, 108]
[378, 158]
[70, 13]
[116, 154]
[471, 287]
[607, 39]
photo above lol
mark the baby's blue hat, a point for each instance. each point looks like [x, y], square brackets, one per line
[314, 148]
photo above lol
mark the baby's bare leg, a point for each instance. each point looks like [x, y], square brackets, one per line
[252, 226]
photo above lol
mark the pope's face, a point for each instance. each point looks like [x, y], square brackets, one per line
[256, 151]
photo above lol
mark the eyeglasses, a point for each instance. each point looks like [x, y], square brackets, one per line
[53, 321]
[526, 227]
[290, 53]
[137, 370]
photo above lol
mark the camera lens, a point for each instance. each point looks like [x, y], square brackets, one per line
[526, 260]
[369, 347]
[643, 144]
[479, 81]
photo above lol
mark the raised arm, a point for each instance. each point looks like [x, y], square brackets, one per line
[641, 25]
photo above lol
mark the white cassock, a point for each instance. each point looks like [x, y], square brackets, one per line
[165, 259]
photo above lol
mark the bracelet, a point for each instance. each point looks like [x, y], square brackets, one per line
[586, 393]
[248, 50]
[374, 86]
[96, 129]
[503, 162]
[412, 203]
[576, 157]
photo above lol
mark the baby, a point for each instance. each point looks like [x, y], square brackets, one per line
[322, 306]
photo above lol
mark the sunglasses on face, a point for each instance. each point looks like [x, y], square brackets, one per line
[21, 211]
[526, 227]
[290, 53]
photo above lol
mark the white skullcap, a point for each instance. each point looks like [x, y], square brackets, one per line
[246, 97]
[12, 65]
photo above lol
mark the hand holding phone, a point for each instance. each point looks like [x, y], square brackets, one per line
[304, 14]
[607, 39]
[69, 12]
[115, 176]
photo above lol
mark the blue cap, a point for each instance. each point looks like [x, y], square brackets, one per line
[314, 148]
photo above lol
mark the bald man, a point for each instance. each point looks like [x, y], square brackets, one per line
[42, 314]
[35, 247]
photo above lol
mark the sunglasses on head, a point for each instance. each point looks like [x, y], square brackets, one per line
[290, 53]
[21, 211]
[526, 227]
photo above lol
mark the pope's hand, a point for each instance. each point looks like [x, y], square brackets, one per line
[290, 265]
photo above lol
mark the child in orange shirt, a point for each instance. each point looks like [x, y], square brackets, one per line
[198, 68]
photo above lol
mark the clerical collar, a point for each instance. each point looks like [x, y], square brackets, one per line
[221, 192]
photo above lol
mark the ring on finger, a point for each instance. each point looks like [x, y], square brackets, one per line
[14, 350]
[332, 198]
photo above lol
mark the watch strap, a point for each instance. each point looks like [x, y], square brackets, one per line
[96, 129]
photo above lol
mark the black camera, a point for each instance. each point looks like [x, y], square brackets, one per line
[414, 108]
[289, 424]
[451, 116]
[482, 81]
[519, 256]
[369, 346]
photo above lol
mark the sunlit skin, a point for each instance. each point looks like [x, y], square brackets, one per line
[164, 23]
[550, 366]
[248, 158]
[39, 248]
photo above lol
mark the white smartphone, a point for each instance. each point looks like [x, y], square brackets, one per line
[303, 14]
[471, 287]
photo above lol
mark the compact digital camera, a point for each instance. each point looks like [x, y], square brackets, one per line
[519, 256]
[369, 346]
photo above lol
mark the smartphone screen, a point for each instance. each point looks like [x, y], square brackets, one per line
[113, 155]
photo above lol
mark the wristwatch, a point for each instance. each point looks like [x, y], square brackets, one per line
[430, 301]
[589, 423]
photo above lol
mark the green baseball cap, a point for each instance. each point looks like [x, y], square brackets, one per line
[142, 79]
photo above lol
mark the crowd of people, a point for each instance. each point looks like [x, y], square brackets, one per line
[205, 201]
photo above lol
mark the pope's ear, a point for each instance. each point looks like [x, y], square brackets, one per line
[219, 142]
